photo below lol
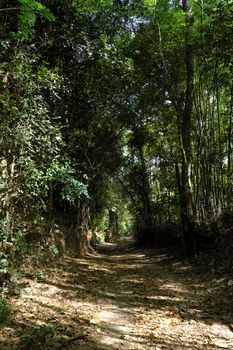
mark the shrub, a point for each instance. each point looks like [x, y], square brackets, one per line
[5, 311]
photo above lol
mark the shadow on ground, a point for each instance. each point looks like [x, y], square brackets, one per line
[123, 298]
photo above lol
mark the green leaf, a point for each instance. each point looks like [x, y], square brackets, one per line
[151, 3]
[28, 14]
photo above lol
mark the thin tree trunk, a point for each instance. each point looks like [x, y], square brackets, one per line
[229, 156]
[185, 122]
[145, 190]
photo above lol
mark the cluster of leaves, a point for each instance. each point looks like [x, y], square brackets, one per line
[32, 139]
[5, 311]
[29, 11]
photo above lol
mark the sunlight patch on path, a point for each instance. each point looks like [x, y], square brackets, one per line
[113, 320]
[114, 326]
[126, 300]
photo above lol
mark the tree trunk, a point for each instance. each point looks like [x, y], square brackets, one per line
[81, 234]
[145, 190]
[185, 126]
[112, 232]
[229, 156]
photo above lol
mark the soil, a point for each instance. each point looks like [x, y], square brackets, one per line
[121, 298]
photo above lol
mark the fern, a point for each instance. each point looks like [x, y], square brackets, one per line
[28, 14]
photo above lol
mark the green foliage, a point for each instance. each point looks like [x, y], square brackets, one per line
[72, 188]
[4, 264]
[89, 106]
[31, 136]
[21, 247]
[28, 14]
[150, 3]
[91, 6]
[38, 276]
[5, 311]
[53, 250]
[4, 229]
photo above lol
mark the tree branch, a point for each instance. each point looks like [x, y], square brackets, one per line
[10, 9]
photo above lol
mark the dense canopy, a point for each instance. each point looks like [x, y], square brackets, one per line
[116, 125]
[115, 115]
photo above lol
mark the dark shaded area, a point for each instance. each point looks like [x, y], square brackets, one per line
[205, 237]
[160, 235]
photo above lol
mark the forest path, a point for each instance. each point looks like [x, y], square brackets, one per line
[121, 298]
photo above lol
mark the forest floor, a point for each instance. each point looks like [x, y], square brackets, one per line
[121, 298]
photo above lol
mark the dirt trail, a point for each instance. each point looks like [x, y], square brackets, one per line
[121, 298]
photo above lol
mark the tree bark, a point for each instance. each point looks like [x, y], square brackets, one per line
[81, 234]
[112, 231]
[185, 126]
[145, 190]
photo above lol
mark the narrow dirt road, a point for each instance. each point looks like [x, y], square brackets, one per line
[121, 298]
